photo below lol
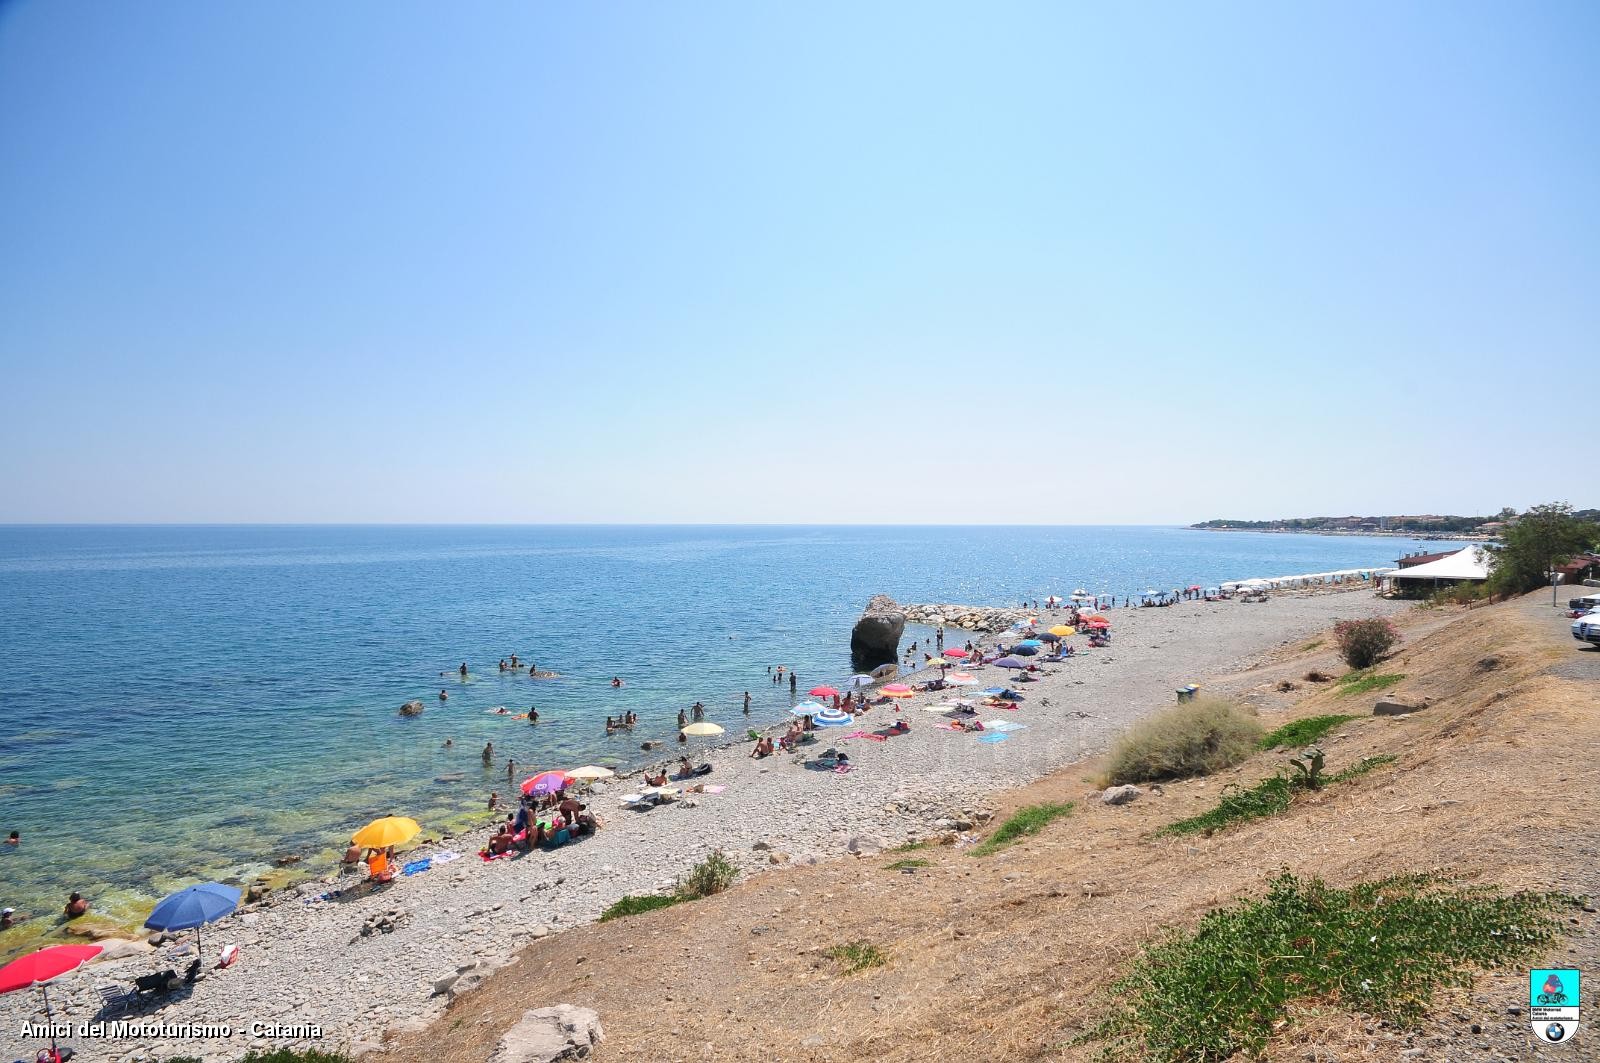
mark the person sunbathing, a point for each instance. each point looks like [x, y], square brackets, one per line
[900, 727]
[656, 780]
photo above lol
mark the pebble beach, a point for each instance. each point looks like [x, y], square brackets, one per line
[341, 971]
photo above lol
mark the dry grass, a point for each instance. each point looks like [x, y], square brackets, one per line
[1010, 957]
[1198, 738]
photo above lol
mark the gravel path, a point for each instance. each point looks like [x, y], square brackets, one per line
[309, 964]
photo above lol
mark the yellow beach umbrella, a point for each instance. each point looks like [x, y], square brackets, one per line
[940, 662]
[390, 830]
[1063, 630]
[702, 729]
[590, 772]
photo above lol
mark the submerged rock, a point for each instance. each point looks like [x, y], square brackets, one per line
[411, 708]
[875, 639]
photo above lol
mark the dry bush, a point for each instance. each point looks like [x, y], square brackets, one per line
[1196, 738]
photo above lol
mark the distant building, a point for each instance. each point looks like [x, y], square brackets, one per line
[1468, 565]
[1580, 568]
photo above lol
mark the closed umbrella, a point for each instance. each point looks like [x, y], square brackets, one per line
[37, 968]
[390, 830]
[193, 908]
[702, 729]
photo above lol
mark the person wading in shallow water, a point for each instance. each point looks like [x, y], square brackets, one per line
[463, 669]
[488, 754]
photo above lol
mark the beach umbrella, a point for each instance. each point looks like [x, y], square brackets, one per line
[886, 671]
[939, 662]
[859, 681]
[823, 692]
[546, 782]
[702, 729]
[192, 908]
[807, 708]
[390, 830]
[1049, 636]
[961, 679]
[590, 772]
[1011, 662]
[1096, 616]
[898, 690]
[1026, 649]
[832, 718]
[1063, 631]
[37, 968]
[958, 652]
[1098, 625]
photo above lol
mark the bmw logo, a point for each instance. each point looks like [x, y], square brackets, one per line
[1555, 1032]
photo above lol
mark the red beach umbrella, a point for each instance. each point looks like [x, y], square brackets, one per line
[547, 782]
[956, 653]
[37, 968]
[824, 692]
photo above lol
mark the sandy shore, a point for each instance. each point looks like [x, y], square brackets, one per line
[308, 963]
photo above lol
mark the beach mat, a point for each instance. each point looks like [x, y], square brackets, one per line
[990, 739]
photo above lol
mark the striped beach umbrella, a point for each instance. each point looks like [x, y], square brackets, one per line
[833, 718]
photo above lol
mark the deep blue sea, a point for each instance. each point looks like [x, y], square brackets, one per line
[183, 701]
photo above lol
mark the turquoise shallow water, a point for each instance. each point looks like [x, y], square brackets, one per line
[182, 701]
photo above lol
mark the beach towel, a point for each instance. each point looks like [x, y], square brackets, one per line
[948, 727]
[714, 789]
[1004, 705]
[868, 735]
[417, 867]
[487, 856]
[1004, 725]
[992, 738]
[445, 857]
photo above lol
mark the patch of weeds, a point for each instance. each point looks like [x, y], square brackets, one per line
[1353, 683]
[1021, 824]
[1381, 947]
[707, 878]
[630, 904]
[295, 1055]
[1269, 797]
[1309, 646]
[856, 955]
[904, 865]
[1305, 732]
[911, 847]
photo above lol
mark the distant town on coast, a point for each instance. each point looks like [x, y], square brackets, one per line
[1412, 526]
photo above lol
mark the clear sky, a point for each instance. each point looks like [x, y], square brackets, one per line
[724, 262]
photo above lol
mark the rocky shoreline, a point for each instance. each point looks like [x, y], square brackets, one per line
[358, 964]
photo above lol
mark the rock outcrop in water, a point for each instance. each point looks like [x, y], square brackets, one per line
[411, 708]
[875, 639]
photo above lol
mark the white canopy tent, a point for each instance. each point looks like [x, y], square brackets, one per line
[1466, 564]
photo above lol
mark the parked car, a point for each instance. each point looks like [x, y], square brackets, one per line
[1585, 603]
[1587, 628]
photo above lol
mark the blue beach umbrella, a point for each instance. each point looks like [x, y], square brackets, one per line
[809, 708]
[1026, 649]
[1011, 662]
[832, 718]
[192, 908]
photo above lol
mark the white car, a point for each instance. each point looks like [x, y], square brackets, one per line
[1587, 627]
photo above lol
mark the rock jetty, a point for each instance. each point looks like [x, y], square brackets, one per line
[979, 618]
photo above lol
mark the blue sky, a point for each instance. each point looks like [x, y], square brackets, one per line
[890, 262]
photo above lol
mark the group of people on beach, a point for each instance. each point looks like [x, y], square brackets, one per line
[538, 820]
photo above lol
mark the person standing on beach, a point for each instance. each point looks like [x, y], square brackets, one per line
[747, 702]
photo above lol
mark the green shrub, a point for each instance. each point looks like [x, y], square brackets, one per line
[1021, 824]
[1355, 683]
[1268, 797]
[856, 955]
[1304, 732]
[906, 865]
[1362, 643]
[1193, 738]
[707, 878]
[630, 904]
[1381, 947]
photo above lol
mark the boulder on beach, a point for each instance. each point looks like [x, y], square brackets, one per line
[545, 1035]
[875, 639]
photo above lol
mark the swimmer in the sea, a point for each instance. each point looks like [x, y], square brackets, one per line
[463, 669]
[488, 754]
[448, 742]
[533, 714]
[616, 681]
[443, 696]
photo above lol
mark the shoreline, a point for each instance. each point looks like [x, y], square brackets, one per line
[299, 959]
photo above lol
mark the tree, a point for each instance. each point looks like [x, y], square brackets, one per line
[1543, 538]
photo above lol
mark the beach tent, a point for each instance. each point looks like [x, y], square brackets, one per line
[1470, 563]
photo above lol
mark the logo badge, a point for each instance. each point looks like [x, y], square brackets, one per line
[1553, 997]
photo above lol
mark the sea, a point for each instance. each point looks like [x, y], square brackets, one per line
[180, 703]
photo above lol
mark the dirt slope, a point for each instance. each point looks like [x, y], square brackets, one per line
[1005, 957]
